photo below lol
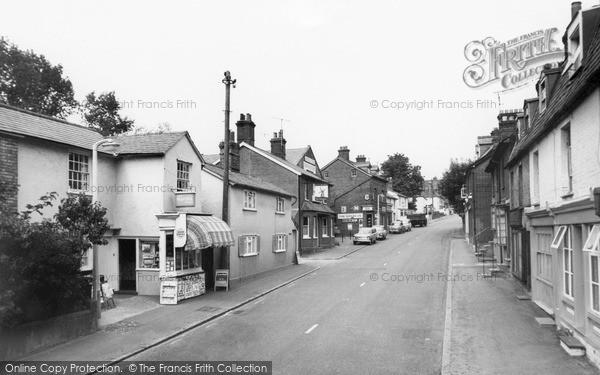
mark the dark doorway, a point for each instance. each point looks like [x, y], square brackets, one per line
[369, 220]
[208, 265]
[127, 265]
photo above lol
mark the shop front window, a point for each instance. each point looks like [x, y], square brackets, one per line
[178, 259]
[149, 254]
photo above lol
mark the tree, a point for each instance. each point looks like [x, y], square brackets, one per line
[163, 127]
[102, 113]
[406, 178]
[31, 82]
[40, 261]
[451, 183]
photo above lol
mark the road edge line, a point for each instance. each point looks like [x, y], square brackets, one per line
[448, 318]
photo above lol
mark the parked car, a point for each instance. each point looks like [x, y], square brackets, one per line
[406, 224]
[397, 227]
[366, 234]
[381, 232]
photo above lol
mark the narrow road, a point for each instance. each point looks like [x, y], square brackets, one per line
[380, 310]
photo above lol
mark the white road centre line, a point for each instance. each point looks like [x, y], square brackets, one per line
[311, 329]
[361, 285]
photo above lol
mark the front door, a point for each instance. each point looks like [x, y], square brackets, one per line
[127, 265]
[369, 220]
[208, 265]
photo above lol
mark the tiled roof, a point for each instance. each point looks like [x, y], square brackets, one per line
[149, 144]
[21, 122]
[236, 178]
[284, 162]
[211, 158]
[354, 165]
[293, 155]
[316, 207]
[568, 92]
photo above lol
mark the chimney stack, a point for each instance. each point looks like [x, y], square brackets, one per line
[234, 153]
[245, 128]
[575, 8]
[278, 145]
[361, 159]
[344, 153]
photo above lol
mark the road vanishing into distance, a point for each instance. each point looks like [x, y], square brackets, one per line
[379, 310]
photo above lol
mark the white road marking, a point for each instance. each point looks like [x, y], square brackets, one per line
[362, 284]
[311, 328]
[446, 345]
[385, 264]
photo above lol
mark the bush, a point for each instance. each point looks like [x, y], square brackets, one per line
[40, 262]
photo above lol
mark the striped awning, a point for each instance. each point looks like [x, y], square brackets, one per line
[207, 231]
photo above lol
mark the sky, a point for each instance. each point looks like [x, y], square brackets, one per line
[380, 77]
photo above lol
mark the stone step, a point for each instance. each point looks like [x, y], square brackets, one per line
[572, 346]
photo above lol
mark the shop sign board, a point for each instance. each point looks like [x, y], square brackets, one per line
[168, 292]
[350, 216]
[185, 199]
[222, 279]
[180, 233]
[367, 208]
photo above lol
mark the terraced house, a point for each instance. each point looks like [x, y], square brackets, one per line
[557, 155]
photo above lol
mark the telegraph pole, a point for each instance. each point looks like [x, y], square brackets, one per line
[228, 82]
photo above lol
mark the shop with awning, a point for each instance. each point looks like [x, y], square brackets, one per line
[190, 247]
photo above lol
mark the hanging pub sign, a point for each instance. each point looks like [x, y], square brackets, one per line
[185, 199]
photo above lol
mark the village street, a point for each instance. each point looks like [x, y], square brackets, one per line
[378, 310]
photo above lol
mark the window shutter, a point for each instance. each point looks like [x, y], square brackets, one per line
[274, 242]
[257, 244]
[241, 245]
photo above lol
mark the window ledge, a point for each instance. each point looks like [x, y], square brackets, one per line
[148, 269]
[567, 196]
[248, 255]
[77, 192]
[279, 213]
[249, 209]
[306, 237]
[279, 251]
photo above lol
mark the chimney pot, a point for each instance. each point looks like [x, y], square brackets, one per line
[242, 117]
[575, 8]
[248, 117]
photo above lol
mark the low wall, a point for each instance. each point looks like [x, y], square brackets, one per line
[36, 336]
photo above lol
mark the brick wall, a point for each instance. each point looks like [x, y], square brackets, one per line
[256, 165]
[9, 167]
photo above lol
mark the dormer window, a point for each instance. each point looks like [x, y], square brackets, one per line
[575, 50]
[543, 95]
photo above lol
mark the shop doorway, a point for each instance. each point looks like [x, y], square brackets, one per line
[127, 265]
[369, 220]
[208, 265]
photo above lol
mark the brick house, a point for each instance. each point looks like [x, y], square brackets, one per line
[558, 149]
[358, 194]
[478, 189]
[297, 172]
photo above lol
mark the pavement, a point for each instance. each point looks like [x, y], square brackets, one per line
[487, 329]
[140, 322]
[490, 331]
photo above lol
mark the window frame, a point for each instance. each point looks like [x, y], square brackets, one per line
[353, 173]
[249, 200]
[595, 284]
[568, 272]
[280, 243]
[183, 176]
[248, 239]
[279, 205]
[305, 227]
[79, 184]
[324, 231]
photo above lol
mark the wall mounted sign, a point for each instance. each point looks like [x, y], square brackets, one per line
[185, 199]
